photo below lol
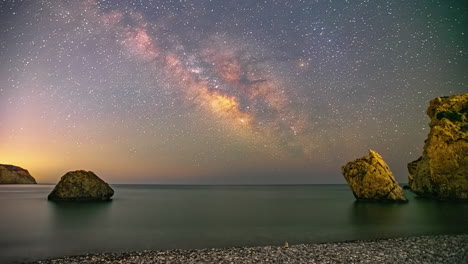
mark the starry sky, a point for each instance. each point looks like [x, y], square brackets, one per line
[223, 92]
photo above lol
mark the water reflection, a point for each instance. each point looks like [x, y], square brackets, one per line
[75, 214]
[418, 217]
[440, 216]
[369, 213]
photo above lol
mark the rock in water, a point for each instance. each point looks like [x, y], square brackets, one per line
[370, 179]
[81, 186]
[10, 174]
[442, 170]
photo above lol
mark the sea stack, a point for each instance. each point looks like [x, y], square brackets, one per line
[442, 170]
[79, 186]
[370, 179]
[10, 174]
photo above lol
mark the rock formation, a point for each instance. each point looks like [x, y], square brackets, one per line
[10, 174]
[442, 170]
[81, 186]
[370, 179]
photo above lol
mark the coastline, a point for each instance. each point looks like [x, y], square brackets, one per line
[421, 249]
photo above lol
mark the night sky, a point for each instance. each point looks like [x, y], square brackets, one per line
[223, 92]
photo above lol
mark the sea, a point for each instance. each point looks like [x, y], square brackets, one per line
[160, 217]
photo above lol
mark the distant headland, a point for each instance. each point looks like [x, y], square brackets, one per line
[10, 174]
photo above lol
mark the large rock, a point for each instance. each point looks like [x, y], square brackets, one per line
[442, 170]
[81, 186]
[370, 179]
[10, 174]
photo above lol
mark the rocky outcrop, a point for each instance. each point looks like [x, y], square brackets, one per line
[10, 174]
[412, 167]
[370, 179]
[442, 170]
[81, 186]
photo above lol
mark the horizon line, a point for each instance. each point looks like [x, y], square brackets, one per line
[224, 184]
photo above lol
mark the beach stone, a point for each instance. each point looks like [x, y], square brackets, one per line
[447, 249]
[81, 185]
[10, 174]
[371, 179]
[442, 170]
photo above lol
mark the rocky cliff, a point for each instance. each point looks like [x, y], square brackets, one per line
[81, 186]
[10, 174]
[370, 179]
[442, 170]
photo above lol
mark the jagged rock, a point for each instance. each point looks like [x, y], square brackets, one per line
[442, 170]
[10, 174]
[370, 179]
[412, 167]
[81, 186]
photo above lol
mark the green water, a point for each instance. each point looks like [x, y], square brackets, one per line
[162, 217]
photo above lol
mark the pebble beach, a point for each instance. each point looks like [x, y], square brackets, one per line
[451, 249]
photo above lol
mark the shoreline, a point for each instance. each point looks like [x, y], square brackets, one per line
[420, 249]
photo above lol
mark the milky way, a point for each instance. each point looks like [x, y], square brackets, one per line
[222, 91]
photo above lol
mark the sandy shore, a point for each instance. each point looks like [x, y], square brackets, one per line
[451, 249]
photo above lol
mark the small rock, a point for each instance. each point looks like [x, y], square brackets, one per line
[371, 179]
[81, 186]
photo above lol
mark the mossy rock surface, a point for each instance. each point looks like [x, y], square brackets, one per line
[464, 128]
[81, 186]
[450, 115]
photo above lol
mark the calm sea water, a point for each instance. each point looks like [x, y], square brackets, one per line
[163, 217]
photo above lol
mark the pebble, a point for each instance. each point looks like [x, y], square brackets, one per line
[450, 249]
